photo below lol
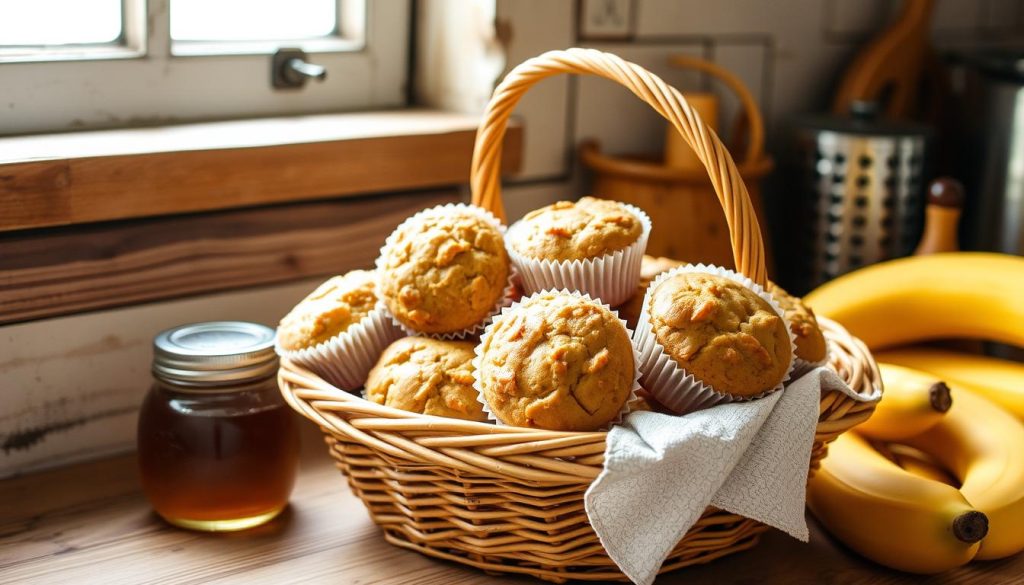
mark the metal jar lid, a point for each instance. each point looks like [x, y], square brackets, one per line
[215, 353]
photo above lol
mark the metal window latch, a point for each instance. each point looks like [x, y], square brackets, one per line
[289, 69]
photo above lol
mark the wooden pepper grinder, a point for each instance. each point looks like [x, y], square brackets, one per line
[944, 204]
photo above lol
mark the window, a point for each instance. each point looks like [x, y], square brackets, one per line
[195, 20]
[48, 30]
[73, 64]
[47, 23]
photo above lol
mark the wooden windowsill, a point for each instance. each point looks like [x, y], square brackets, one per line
[62, 179]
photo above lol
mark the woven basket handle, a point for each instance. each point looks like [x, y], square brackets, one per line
[485, 178]
[754, 121]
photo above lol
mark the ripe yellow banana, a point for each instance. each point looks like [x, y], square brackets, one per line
[983, 445]
[889, 515]
[957, 294]
[920, 464]
[998, 380]
[912, 403]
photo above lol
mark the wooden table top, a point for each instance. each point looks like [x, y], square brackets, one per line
[90, 524]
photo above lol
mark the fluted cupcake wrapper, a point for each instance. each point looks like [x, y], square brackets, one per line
[610, 279]
[346, 359]
[478, 360]
[507, 293]
[669, 383]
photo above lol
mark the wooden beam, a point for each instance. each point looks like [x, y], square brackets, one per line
[65, 179]
[45, 273]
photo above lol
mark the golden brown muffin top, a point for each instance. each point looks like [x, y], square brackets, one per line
[568, 230]
[721, 332]
[444, 270]
[332, 308]
[810, 341]
[557, 362]
[428, 376]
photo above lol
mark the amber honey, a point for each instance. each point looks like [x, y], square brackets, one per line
[214, 468]
[217, 446]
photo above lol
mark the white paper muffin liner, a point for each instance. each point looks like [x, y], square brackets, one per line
[610, 279]
[346, 359]
[666, 380]
[506, 294]
[478, 360]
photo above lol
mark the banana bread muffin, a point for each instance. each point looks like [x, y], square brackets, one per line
[428, 376]
[444, 270]
[568, 230]
[556, 361]
[721, 332]
[328, 311]
[810, 341]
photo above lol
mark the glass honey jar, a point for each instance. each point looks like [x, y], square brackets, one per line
[218, 447]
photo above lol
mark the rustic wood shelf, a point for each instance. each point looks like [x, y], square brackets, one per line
[89, 523]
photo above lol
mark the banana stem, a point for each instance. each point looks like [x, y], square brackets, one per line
[940, 397]
[970, 527]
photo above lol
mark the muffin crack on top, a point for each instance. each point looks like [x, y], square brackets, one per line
[428, 376]
[332, 309]
[721, 332]
[567, 230]
[444, 270]
[556, 361]
[561, 340]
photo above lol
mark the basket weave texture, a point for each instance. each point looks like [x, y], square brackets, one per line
[509, 499]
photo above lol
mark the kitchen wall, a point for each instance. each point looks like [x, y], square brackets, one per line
[790, 53]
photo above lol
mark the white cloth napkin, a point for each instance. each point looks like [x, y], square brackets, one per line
[748, 458]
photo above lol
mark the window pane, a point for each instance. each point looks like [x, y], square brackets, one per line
[59, 22]
[252, 20]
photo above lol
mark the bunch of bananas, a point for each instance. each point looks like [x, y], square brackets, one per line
[935, 478]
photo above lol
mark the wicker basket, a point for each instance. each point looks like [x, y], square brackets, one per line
[508, 499]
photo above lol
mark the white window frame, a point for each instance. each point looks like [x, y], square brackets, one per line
[147, 80]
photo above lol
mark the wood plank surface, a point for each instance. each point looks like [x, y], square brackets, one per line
[58, 179]
[45, 273]
[89, 523]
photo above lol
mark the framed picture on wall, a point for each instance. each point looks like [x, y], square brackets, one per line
[606, 20]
